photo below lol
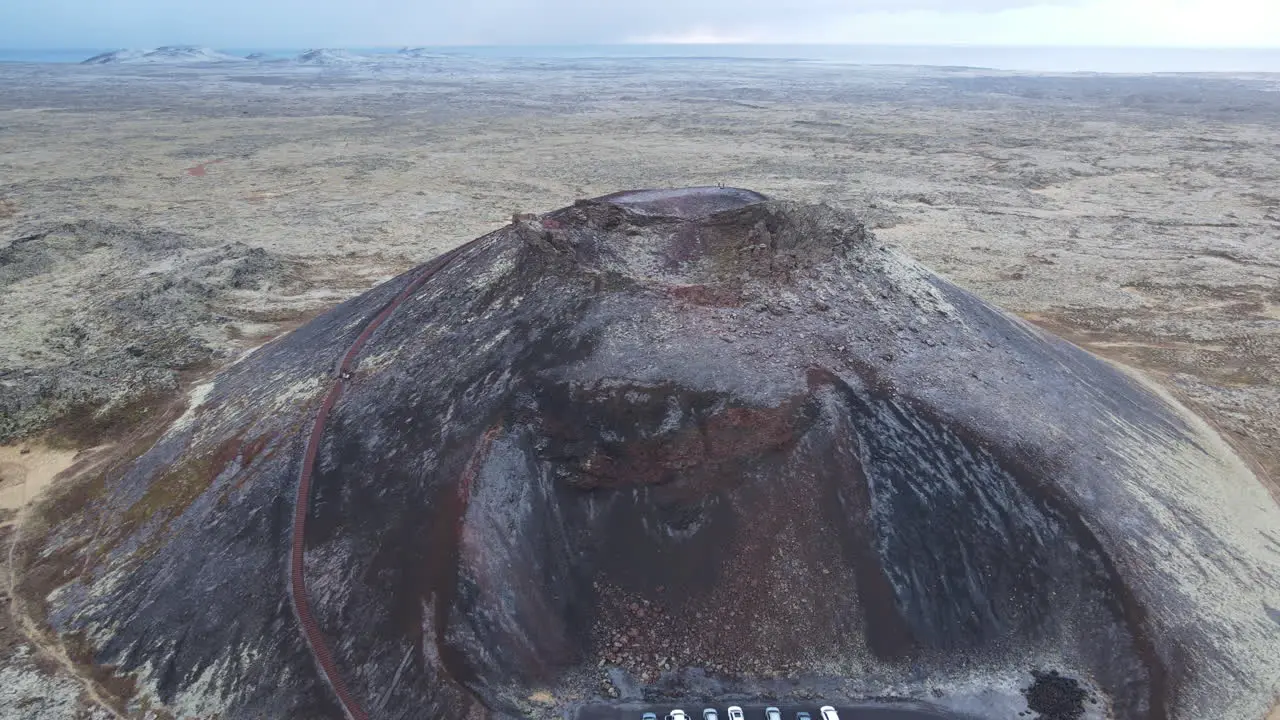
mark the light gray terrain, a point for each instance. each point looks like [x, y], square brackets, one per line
[157, 221]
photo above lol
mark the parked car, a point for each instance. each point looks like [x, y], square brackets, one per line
[829, 713]
[772, 713]
[649, 716]
[803, 716]
[710, 714]
[677, 715]
[735, 712]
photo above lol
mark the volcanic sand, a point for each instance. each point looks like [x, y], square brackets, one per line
[26, 471]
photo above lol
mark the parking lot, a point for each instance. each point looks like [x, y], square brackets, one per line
[755, 711]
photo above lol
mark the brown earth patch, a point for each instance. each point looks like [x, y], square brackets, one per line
[1161, 358]
[201, 169]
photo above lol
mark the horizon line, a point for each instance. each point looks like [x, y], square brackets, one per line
[666, 43]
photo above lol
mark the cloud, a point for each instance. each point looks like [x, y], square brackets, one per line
[1151, 23]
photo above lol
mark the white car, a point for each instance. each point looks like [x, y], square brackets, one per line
[829, 713]
[677, 715]
[772, 713]
[735, 712]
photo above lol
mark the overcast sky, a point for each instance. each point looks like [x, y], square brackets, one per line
[389, 23]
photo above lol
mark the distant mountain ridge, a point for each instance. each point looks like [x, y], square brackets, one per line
[421, 53]
[165, 54]
[313, 56]
[1016, 59]
[330, 56]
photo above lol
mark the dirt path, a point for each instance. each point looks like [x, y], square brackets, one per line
[36, 682]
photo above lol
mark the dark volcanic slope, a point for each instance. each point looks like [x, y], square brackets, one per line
[695, 442]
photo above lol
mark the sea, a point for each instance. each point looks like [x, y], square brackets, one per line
[1031, 59]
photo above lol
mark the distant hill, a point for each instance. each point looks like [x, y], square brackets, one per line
[329, 56]
[115, 56]
[316, 56]
[420, 53]
[166, 54]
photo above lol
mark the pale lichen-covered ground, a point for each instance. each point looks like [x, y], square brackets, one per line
[157, 221]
